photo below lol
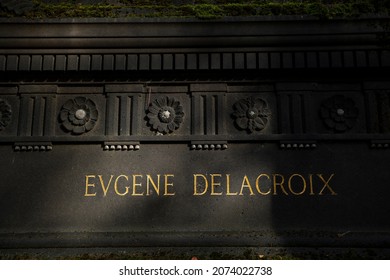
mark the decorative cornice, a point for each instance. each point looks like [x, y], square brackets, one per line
[201, 61]
[177, 33]
[258, 43]
[156, 48]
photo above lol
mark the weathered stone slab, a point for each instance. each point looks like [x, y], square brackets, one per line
[177, 195]
[125, 133]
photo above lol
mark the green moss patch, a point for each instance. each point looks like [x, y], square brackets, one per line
[204, 9]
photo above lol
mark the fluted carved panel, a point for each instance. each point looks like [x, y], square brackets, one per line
[200, 114]
[123, 118]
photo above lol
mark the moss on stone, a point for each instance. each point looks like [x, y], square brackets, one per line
[206, 9]
[67, 10]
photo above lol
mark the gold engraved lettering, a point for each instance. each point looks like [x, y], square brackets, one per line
[311, 184]
[326, 184]
[149, 181]
[246, 184]
[290, 184]
[88, 184]
[135, 185]
[265, 184]
[168, 184]
[198, 185]
[278, 183]
[215, 184]
[116, 185]
[258, 185]
[105, 188]
[228, 186]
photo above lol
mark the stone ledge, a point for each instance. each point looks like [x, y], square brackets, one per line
[200, 253]
[268, 238]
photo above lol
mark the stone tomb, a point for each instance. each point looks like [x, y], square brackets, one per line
[244, 190]
[257, 142]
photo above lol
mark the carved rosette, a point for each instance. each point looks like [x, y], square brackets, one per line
[251, 114]
[5, 114]
[165, 115]
[78, 115]
[339, 113]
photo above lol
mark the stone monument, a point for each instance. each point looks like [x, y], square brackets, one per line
[182, 132]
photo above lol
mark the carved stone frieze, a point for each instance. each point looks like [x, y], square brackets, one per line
[78, 115]
[5, 114]
[251, 114]
[165, 115]
[206, 117]
[339, 113]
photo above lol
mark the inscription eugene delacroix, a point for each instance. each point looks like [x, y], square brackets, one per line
[214, 184]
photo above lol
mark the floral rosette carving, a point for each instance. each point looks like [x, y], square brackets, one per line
[79, 115]
[165, 115]
[339, 113]
[5, 114]
[251, 114]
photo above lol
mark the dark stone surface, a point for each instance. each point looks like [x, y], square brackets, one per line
[45, 193]
[291, 140]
